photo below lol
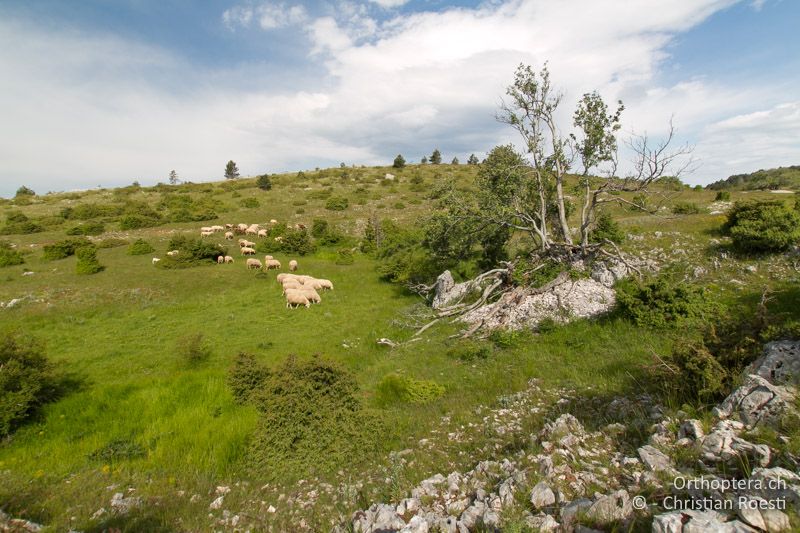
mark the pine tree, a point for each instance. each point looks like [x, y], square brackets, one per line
[424, 160]
[399, 161]
[231, 171]
[173, 177]
[454, 161]
[436, 157]
[473, 160]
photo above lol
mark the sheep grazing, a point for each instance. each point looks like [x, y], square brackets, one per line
[283, 275]
[217, 228]
[254, 263]
[273, 264]
[278, 239]
[292, 265]
[228, 259]
[252, 229]
[156, 260]
[273, 221]
[229, 235]
[242, 227]
[228, 226]
[173, 253]
[291, 286]
[248, 251]
[243, 243]
[206, 233]
[206, 228]
[296, 299]
[262, 233]
[220, 259]
[325, 284]
[310, 294]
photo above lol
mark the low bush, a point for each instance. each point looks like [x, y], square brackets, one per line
[661, 301]
[263, 182]
[722, 196]
[762, 226]
[245, 377]
[129, 222]
[87, 260]
[319, 227]
[27, 380]
[337, 203]
[508, 338]
[194, 348]
[344, 256]
[118, 450]
[9, 256]
[18, 223]
[111, 242]
[92, 228]
[605, 227]
[63, 249]
[686, 208]
[140, 247]
[250, 203]
[311, 420]
[396, 388]
[193, 252]
[469, 351]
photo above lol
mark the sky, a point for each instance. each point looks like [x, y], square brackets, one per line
[107, 92]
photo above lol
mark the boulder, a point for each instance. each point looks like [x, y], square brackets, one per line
[610, 508]
[447, 291]
[780, 363]
[655, 459]
[542, 496]
[756, 401]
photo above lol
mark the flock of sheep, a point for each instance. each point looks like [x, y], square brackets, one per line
[297, 289]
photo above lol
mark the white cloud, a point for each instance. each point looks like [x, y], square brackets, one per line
[388, 4]
[106, 110]
[269, 16]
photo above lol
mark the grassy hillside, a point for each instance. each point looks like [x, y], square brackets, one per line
[771, 179]
[142, 419]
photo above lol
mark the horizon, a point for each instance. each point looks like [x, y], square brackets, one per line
[101, 96]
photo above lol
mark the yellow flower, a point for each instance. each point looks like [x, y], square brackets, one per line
[106, 469]
[39, 473]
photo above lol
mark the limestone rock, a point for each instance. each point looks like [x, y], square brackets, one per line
[611, 508]
[655, 459]
[756, 401]
[542, 496]
[780, 364]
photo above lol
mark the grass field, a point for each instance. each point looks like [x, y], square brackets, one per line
[119, 335]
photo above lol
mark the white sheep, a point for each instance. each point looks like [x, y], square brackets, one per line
[228, 226]
[325, 284]
[254, 263]
[206, 228]
[283, 276]
[243, 243]
[268, 257]
[220, 259]
[252, 230]
[217, 228]
[229, 235]
[173, 253]
[292, 265]
[156, 260]
[242, 227]
[291, 286]
[311, 294]
[296, 299]
[278, 239]
[273, 221]
[248, 251]
[228, 259]
[273, 263]
[262, 233]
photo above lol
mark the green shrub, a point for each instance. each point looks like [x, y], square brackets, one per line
[245, 377]
[17, 223]
[344, 256]
[762, 226]
[250, 203]
[319, 227]
[337, 203]
[27, 380]
[294, 241]
[697, 374]
[605, 227]
[263, 182]
[396, 388]
[321, 194]
[111, 242]
[722, 196]
[129, 222]
[469, 351]
[508, 338]
[89, 211]
[9, 256]
[193, 348]
[118, 450]
[140, 247]
[686, 208]
[87, 260]
[661, 302]
[331, 237]
[311, 420]
[25, 191]
[192, 252]
[92, 228]
[63, 249]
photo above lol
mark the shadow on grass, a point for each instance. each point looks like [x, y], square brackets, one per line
[135, 521]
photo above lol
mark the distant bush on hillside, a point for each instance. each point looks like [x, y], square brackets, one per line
[250, 203]
[661, 301]
[87, 261]
[25, 191]
[771, 179]
[337, 203]
[111, 242]
[722, 196]
[18, 223]
[670, 183]
[63, 249]
[293, 241]
[91, 228]
[89, 211]
[311, 417]
[686, 208]
[140, 247]
[607, 228]
[193, 348]
[27, 380]
[9, 256]
[191, 252]
[763, 226]
[263, 182]
[129, 222]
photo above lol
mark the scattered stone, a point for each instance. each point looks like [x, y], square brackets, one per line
[217, 504]
[542, 496]
[780, 363]
[755, 401]
[655, 459]
[122, 505]
[691, 429]
[610, 508]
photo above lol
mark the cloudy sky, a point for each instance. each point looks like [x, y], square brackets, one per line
[102, 93]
